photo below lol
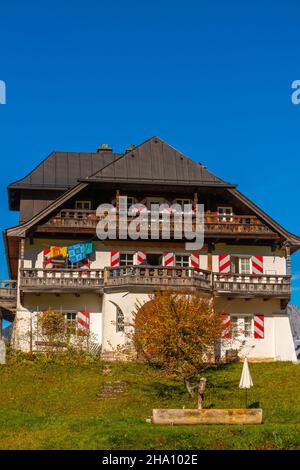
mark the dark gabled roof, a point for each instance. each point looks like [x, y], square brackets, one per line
[153, 161]
[60, 171]
[157, 162]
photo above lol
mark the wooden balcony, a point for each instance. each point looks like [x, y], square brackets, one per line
[158, 277]
[151, 278]
[8, 295]
[246, 226]
[61, 280]
[241, 285]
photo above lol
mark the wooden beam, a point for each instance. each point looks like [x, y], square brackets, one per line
[195, 200]
[117, 200]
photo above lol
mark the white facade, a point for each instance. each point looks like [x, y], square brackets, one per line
[104, 307]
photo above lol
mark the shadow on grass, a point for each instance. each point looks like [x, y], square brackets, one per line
[255, 404]
[161, 390]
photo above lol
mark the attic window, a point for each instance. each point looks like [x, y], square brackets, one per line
[83, 205]
[225, 214]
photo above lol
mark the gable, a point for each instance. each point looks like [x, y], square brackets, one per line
[157, 162]
[154, 162]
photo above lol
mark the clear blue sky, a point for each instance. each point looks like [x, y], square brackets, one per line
[211, 78]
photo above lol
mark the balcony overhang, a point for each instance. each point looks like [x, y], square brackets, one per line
[149, 279]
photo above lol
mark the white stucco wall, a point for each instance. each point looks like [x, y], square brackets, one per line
[274, 262]
[283, 339]
[33, 304]
[277, 343]
[126, 301]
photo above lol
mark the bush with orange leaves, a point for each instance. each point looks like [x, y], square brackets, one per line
[180, 332]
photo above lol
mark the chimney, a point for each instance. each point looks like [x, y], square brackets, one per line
[104, 148]
[130, 148]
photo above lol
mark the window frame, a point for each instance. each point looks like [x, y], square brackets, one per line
[154, 200]
[72, 324]
[83, 202]
[223, 217]
[126, 254]
[240, 259]
[183, 201]
[241, 326]
[133, 201]
[181, 263]
[120, 320]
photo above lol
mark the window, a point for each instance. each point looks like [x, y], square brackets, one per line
[245, 266]
[120, 325]
[154, 259]
[130, 201]
[154, 200]
[183, 202]
[241, 326]
[126, 259]
[83, 205]
[225, 214]
[240, 265]
[234, 327]
[182, 261]
[247, 327]
[71, 321]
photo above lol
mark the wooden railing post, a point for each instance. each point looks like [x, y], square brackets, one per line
[288, 259]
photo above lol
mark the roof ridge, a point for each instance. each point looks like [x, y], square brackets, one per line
[203, 169]
[119, 158]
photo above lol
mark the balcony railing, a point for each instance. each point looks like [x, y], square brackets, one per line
[8, 299]
[98, 280]
[159, 277]
[61, 279]
[8, 290]
[252, 285]
[214, 223]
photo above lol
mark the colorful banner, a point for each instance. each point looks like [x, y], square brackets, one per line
[79, 252]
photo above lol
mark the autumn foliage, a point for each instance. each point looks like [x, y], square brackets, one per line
[52, 324]
[178, 331]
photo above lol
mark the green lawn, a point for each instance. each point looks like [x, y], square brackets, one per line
[52, 406]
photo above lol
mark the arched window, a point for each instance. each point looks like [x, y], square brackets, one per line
[120, 325]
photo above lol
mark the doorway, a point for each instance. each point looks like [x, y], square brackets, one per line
[154, 259]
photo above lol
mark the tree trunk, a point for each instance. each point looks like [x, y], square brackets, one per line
[201, 392]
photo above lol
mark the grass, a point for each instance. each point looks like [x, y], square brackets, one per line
[55, 406]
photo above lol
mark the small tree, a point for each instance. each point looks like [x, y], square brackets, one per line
[53, 327]
[179, 331]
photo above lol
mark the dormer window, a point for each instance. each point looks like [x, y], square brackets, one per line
[83, 205]
[225, 214]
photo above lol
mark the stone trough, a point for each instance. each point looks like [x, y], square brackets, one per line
[207, 416]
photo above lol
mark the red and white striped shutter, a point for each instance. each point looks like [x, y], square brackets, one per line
[259, 326]
[83, 319]
[226, 326]
[257, 264]
[114, 258]
[141, 257]
[224, 264]
[85, 264]
[195, 260]
[168, 259]
[47, 260]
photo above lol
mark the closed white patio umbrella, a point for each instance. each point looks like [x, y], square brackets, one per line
[246, 380]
